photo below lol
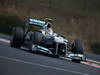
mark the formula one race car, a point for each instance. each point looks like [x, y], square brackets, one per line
[39, 37]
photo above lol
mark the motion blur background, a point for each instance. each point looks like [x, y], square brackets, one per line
[75, 19]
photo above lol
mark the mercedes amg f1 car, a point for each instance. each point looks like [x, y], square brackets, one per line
[32, 37]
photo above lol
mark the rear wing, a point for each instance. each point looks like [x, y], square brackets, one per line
[36, 22]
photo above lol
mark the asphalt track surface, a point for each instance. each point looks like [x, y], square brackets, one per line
[21, 62]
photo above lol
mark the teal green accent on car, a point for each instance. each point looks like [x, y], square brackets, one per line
[43, 48]
[79, 55]
[36, 22]
[65, 41]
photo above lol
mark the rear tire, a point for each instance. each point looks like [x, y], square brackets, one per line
[37, 37]
[17, 37]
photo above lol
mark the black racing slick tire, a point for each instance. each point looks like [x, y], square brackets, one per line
[77, 47]
[75, 60]
[37, 37]
[17, 37]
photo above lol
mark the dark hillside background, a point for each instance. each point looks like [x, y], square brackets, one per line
[75, 19]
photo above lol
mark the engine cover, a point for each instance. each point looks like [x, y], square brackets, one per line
[59, 39]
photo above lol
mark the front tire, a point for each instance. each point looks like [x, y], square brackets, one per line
[75, 60]
[77, 48]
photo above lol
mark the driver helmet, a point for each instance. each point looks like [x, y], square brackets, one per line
[49, 25]
[49, 22]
